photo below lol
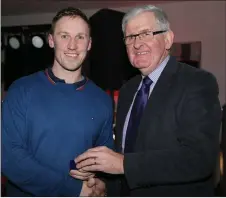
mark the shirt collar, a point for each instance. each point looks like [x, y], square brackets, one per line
[54, 80]
[53, 77]
[154, 76]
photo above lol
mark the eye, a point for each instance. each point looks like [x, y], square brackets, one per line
[130, 38]
[80, 37]
[64, 36]
[144, 34]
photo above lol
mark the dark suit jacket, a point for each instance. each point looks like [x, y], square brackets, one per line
[178, 139]
[223, 148]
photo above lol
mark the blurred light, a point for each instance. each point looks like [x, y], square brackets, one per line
[37, 41]
[14, 43]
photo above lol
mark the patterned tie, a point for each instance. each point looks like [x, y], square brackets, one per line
[136, 113]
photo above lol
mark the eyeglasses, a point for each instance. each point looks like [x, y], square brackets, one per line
[143, 36]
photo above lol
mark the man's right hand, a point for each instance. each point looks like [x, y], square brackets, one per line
[88, 190]
[94, 187]
[100, 187]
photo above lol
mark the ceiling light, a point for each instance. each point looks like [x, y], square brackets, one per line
[14, 43]
[37, 41]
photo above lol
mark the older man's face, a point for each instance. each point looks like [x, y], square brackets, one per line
[147, 54]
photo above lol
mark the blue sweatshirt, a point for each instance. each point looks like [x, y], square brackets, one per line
[45, 124]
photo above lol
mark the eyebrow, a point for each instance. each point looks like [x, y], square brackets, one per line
[144, 30]
[62, 33]
[80, 33]
[141, 31]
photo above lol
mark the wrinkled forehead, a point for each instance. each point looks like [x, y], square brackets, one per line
[141, 22]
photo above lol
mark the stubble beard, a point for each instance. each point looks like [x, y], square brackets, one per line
[71, 69]
[76, 65]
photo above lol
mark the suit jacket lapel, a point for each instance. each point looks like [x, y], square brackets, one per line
[124, 106]
[159, 94]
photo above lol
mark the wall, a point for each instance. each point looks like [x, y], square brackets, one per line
[203, 21]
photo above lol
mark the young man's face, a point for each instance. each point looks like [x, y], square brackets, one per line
[71, 42]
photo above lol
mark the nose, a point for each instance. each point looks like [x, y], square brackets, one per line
[72, 44]
[137, 43]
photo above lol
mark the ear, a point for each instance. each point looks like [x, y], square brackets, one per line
[50, 39]
[169, 36]
[90, 44]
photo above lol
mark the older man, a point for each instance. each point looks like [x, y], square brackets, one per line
[168, 118]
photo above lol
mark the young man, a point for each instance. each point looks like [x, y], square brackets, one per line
[168, 118]
[52, 116]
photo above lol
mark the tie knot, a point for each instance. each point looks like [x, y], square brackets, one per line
[147, 81]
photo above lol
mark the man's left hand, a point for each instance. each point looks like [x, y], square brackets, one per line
[100, 159]
[80, 174]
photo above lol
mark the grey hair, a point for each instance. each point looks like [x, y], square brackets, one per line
[160, 15]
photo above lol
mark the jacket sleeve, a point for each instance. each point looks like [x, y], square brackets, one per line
[18, 163]
[194, 156]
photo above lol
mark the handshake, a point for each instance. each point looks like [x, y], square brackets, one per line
[99, 159]
[92, 186]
